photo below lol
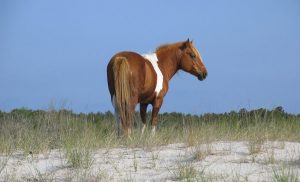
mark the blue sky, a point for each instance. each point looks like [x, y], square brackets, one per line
[56, 52]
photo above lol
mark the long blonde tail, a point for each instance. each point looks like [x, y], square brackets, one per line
[122, 90]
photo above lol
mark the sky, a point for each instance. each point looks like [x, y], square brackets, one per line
[55, 52]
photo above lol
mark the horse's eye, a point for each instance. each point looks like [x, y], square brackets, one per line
[193, 56]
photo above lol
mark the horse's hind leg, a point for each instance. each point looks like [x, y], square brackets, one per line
[117, 116]
[143, 113]
[133, 103]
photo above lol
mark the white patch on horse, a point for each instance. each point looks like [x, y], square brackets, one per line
[152, 58]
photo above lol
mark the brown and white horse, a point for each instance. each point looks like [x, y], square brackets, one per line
[134, 78]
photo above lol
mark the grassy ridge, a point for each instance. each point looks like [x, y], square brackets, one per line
[39, 131]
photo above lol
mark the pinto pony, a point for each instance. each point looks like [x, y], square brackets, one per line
[133, 78]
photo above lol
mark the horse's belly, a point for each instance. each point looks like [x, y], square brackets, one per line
[147, 98]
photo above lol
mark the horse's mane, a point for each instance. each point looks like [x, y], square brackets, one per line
[166, 47]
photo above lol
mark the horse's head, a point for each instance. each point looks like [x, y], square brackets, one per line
[191, 61]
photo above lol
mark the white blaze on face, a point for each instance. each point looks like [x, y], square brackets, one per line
[152, 58]
[197, 53]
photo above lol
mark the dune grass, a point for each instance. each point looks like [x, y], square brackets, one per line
[78, 136]
[284, 174]
[39, 131]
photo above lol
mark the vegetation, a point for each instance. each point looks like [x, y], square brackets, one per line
[186, 172]
[77, 136]
[284, 174]
[37, 131]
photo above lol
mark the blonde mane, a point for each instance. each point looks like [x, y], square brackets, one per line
[167, 47]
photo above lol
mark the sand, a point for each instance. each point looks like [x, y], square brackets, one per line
[217, 161]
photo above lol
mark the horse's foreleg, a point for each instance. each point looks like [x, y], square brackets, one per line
[156, 107]
[143, 113]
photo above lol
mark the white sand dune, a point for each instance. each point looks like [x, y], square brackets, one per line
[218, 161]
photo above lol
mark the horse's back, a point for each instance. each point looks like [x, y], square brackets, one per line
[135, 60]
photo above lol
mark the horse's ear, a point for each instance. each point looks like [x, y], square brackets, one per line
[189, 41]
[184, 44]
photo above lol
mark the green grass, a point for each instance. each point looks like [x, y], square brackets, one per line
[79, 157]
[78, 136]
[186, 172]
[284, 174]
[40, 131]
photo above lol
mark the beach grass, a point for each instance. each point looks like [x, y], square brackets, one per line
[39, 131]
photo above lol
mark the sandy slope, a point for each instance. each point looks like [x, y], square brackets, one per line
[218, 161]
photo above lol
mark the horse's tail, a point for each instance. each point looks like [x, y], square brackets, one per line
[123, 84]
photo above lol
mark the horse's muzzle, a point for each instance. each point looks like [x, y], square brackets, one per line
[202, 76]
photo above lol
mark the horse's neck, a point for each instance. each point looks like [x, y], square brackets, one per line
[168, 64]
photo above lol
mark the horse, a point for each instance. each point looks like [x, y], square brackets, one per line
[133, 78]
